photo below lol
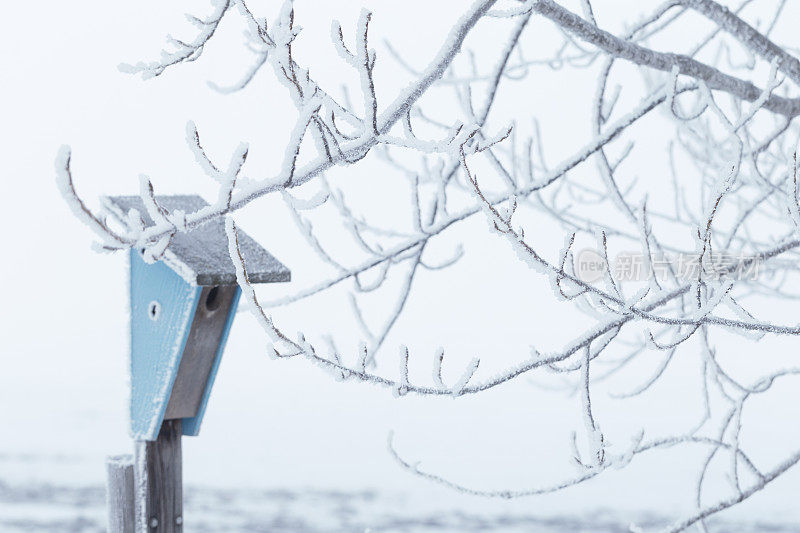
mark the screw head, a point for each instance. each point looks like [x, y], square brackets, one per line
[178, 520]
[154, 522]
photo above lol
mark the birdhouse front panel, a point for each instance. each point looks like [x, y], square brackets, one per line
[162, 309]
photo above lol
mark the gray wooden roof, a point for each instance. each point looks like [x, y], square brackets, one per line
[201, 255]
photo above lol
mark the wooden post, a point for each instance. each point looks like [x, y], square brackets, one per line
[120, 494]
[159, 471]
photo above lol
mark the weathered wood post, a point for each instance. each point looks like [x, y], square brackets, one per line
[182, 307]
[119, 494]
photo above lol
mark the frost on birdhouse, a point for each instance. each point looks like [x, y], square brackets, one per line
[182, 308]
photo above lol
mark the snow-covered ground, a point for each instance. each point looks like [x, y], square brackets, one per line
[284, 447]
[80, 509]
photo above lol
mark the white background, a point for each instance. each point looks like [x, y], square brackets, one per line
[287, 424]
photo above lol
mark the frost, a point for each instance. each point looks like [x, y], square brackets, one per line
[403, 384]
[461, 384]
[437, 368]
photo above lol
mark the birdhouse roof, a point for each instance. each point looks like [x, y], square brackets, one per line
[200, 255]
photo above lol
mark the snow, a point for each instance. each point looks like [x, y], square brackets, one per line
[64, 508]
[462, 382]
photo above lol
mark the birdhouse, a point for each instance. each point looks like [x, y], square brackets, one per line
[182, 307]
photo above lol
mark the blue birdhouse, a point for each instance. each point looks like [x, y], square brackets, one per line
[182, 307]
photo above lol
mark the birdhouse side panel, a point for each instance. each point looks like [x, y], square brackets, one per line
[162, 307]
[191, 426]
